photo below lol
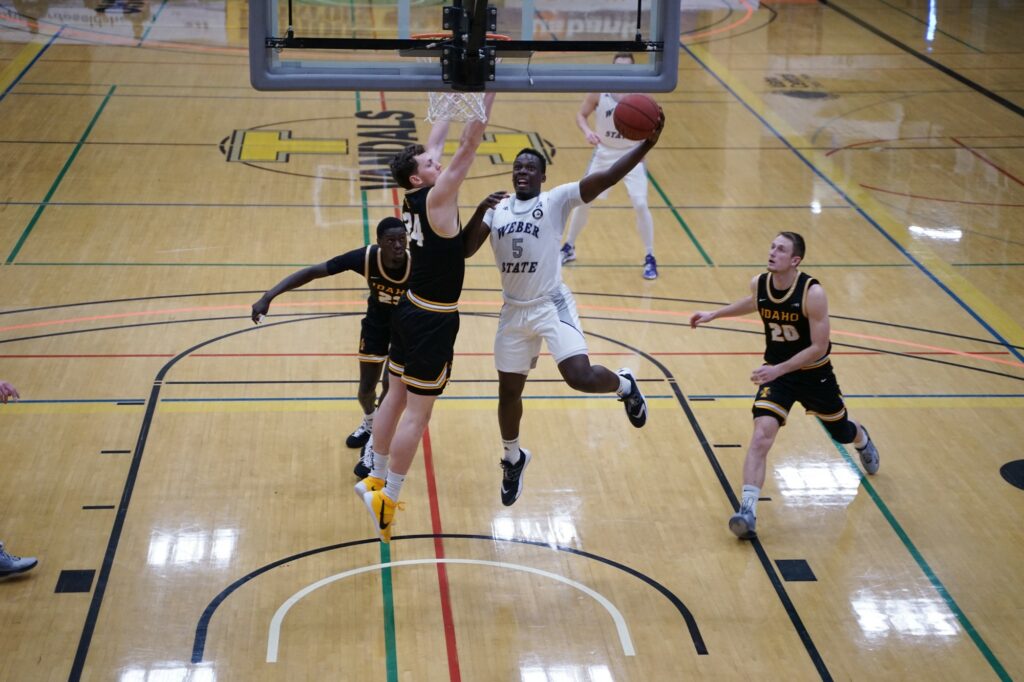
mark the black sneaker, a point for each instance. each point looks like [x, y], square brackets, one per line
[512, 478]
[362, 468]
[358, 438]
[635, 403]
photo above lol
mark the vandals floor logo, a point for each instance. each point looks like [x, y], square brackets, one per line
[359, 147]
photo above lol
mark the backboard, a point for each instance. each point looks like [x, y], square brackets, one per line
[544, 45]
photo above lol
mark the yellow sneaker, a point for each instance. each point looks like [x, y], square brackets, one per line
[382, 510]
[368, 484]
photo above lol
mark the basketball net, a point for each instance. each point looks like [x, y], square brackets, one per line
[454, 106]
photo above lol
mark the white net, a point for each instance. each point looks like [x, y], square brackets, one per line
[456, 106]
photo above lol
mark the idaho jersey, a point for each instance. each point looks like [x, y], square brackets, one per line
[386, 287]
[438, 263]
[787, 329]
[604, 116]
[526, 237]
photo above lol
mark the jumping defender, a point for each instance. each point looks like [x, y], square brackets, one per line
[426, 321]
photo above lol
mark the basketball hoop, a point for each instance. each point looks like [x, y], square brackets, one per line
[451, 105]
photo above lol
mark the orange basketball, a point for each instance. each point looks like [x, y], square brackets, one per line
[636, 116]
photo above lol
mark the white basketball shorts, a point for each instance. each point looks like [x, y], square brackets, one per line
[521, 328]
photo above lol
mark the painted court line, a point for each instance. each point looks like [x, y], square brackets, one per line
[274, 634]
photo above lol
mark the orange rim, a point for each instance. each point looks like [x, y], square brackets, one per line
[441, 36]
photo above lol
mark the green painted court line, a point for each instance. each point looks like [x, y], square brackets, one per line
[679, 218]
[389, 614]
[925, 568]
[366, 220]
[60, 176]
[390, 648]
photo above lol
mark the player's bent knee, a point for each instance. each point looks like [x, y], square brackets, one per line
[842, 430]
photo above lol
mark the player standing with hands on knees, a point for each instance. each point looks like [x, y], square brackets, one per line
[524, 230]
[609, 146]
[794, 310]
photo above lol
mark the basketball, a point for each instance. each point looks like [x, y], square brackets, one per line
[636, 117]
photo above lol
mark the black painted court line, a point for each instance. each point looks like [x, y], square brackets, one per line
[203, 625]
[977, 87]
[716, 467]
[97, 506]
[74, 581]
[89, 627]
[115, 452]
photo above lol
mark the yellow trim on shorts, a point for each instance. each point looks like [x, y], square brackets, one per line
[395, 368]
[432, 306]
[819, 363]
[772, 407]
[440, 381]
[834, 417]
[375, 359]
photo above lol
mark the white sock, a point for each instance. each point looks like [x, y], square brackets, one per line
[750, 495]
[625, 388]
[378, 464]
[393, 486]
[511, 448]
[368, 421]
[579, 219]
[859, 443]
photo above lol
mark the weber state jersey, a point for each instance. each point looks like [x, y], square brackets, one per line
[386, 286]
[526, 237]
[787, 329]
[438, 263]
[604, 117]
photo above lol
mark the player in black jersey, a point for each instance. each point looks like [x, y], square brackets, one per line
[386, 266]
[426, 321]
[794, 310]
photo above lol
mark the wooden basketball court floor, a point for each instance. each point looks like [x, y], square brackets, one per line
[182, 475]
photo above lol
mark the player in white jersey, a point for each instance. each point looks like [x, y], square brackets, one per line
[609, 146]
[525, 230]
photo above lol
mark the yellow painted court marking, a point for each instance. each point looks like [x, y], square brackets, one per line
[20, 61]
[985, 307]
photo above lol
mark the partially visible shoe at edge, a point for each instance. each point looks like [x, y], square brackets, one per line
[11, 565]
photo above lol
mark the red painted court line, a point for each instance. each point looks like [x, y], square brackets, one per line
[722, 29]
[988, 161]
[442, 572]
[939, 199]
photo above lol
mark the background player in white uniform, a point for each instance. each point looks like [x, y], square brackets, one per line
[609, 146]
[525, 230]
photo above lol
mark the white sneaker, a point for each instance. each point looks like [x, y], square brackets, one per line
[10, 564]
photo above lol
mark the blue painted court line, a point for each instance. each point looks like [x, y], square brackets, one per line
[151, 23]
[28, 66]
[899, 247]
